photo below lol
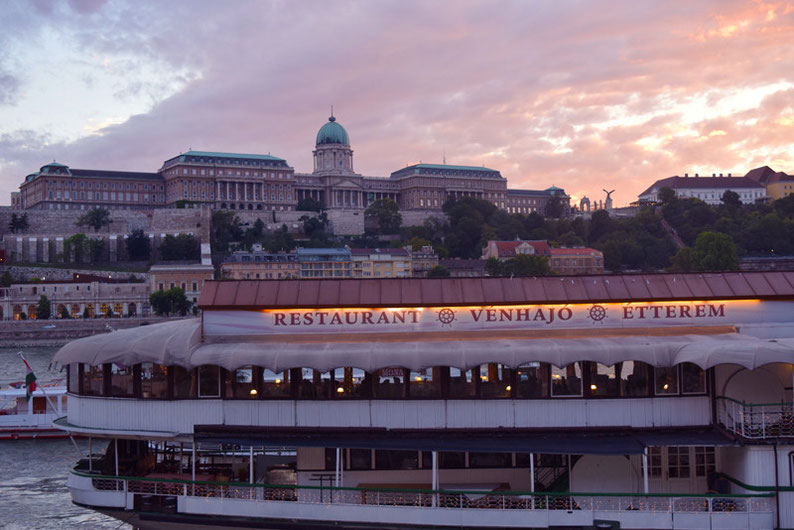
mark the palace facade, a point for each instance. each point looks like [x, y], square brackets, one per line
[232, 181]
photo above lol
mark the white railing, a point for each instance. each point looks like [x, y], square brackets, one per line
[756, 420]
[485, 500]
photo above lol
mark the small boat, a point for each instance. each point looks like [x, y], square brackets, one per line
[21, 418]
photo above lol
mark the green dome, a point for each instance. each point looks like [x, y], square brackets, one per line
[332, 133]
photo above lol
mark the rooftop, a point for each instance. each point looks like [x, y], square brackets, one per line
[702, 183]
[434, 292]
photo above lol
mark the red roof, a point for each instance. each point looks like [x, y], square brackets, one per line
[573, 251]
[434, 292]
[507, 249]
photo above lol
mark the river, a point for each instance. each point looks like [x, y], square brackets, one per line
[33, 473]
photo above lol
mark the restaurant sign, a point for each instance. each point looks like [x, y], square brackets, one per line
[514, 317]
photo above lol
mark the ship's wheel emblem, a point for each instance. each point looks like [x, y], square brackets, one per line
[598, 313]
[446, 316]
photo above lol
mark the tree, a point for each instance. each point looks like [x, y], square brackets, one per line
[74, 248]
[6, 279]
[310, 205]
[387, 214]
[494, 267]
[667, 196]
[138, 246]
[732, 200]
[86, 313]
[63, 312]
[96, 249]
[181, 247]
[439, 271]
[528, 265]
[682, 261]
[314, 226]
[96, 218]
[714, 252]
[43, 309]
[172, 301]
[226, 227]
[19, 223]
[554, 207]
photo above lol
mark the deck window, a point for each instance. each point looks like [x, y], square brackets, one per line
[73, 378]
[678, 462]
[705, 461]
[209, 381]
[566, 381]
[275, 384]
[483, 460]
[452, 459]
[314, 384]
[241, 383]
[121, 381]
[360, 459]
[693, 379]
[655, 461]
[154, 381]
[462, 383]
[495, 381]
[184, 382]
[634, 378]
[666, 380]
[349, 383]
[532, 380]
[390, 383]
[425, 383]
[93, 380]
[389, 459]
[604, 380]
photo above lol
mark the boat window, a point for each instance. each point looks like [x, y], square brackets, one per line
[481, 460]
[705, 461]
[314, 384]
[655, 461]
[495, 381]
[678, 462]
[154, 381]
[666, 380]
[93, 380]
[452, 459]
[241, 384]
[389, 383]
[209, 381]
[73, 380]
[634, 378]
[462, 384]
[275, 384]
[693, 379]
[330, 458]
[360, 459]
[121, 380]
[389, 459]
[532, 380]
[603, 380]
[566, 381]
[184, 382]
[425, 383]
[349, 383]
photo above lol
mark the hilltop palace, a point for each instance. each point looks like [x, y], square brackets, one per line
[233, 181]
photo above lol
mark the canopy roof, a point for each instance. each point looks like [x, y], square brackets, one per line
[180, 343]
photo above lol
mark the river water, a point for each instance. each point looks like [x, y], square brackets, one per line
[33, 473]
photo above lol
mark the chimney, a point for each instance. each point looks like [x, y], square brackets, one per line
[714, 175]
[686, 175]
[729, 174]
[720, 174]
[696, 175]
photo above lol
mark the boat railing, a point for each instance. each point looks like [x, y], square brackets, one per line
[475, 499]
[757, 421]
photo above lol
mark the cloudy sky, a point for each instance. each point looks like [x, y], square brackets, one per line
[579, 94]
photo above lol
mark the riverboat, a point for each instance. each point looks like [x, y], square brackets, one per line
[622, 401]
[22, 418]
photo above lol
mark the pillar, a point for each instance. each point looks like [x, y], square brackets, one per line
[58, 245]
[113, 247]
[645, 469]
[45, 249]
[32, 243]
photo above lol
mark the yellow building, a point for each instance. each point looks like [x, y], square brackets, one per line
[189, 277]
[260, 265]
[381, 263]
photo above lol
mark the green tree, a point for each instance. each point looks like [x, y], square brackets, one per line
[310, 205]
[387, 215]
[554, 207]
[682, 261]
[172, 301]
[439, 271]
[714, 252]
[43, 309]
[74, 248]
[63, 312]
[494, 267]
[667, 195]
[226, 227]
[19, 223]
[138, 246]
[96, 218]
[181, 247]
[732, 200]
[6, 279]
[96, 249]
[527, 265]
[86, 313]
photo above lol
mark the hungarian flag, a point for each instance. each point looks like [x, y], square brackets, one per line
[30, 380]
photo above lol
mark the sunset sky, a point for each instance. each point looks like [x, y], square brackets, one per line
[584, 95]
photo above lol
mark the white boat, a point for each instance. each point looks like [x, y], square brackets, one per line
[22, 418]
[636, 401]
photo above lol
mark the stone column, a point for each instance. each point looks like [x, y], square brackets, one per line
[113, 247]
[45, 249]
[236, 191]
[58, 245]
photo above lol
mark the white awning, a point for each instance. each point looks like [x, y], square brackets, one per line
[179, 343]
